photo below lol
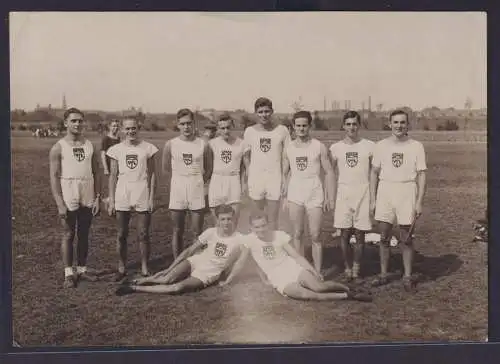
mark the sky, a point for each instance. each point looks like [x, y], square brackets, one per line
[164, 61]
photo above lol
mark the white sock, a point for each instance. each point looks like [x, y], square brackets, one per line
[68, 271]
[81, 270]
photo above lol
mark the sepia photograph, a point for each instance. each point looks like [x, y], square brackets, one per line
[186, 178]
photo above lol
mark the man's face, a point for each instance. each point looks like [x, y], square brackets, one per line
[225, 127]
[260, 227]
[301, 127]
[264, 113]
[114, 127]
[130, 129]
[74, 123]
[399, 125]
[225, 221]
[186, 125]
[351, 127]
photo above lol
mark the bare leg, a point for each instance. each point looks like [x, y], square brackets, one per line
[359, 249]
[236, 208]
[273, 208]
[178, 218]
[297, 218]
[309, 281]
[345, 236]
[122, 219]
[84, 220]
[179, 272]
[315, 215]
[298, 292]
[407, 251]
[143, 224]
[197, 218]
[385, 252]
[259, 204]
[69, 226]
[188, 284]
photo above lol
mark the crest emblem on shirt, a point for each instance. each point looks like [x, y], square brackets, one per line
[79, 154]
[265, 144]
[301, 163]
[220, 249]
[187, 158]
[397, 159]
[131, 160]
[225, 155]
[268, 251]
[351, 159]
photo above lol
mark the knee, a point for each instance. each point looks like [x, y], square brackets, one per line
[122, 235]
[69, 235]
[298, 234]
[143, 235]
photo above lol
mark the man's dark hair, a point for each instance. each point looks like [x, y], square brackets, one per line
[73, 110]
[224, 209]
[399, 112]
[263, 101]
[351, 114]
[184, 112]
[302, 114]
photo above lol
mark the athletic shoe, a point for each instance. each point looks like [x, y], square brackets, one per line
[69, 282]
[120, 276]
[359, 296]
[86, 276]
[409, 284]
[124, 290]
[380, 281]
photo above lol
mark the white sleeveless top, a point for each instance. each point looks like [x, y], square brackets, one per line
[353, 161]
[266, 147]
[227, 157]
[132, 160]
[305, 162]
[76, 161]
[187, 156]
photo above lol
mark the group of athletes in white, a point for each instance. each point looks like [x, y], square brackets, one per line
[364, 184]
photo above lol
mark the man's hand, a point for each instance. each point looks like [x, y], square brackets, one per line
[224, 283]
[62, 211]
[372, 210]
[106, 172]
[151, 205]
[244, 188]
[418, 210]
[111, 207]
[284, 189]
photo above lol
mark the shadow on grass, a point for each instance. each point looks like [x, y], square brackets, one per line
[425, 267]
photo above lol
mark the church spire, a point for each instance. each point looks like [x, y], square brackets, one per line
[64, 105]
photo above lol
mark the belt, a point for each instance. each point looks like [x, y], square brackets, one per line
[235, 173]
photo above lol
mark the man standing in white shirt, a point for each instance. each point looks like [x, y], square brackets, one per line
[398, 181]
[132, 187]
[265, 142]
[352, 156]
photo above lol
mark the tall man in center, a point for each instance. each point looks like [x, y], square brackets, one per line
[265, 143]
[189, 160]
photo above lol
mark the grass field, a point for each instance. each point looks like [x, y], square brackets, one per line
[451, 302]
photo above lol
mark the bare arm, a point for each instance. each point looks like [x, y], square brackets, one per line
[55, 175]
[285, 162]
[186, 253]
[97, 175]
[113, 178]
[329, 175]
[235, 269]
[299, 259]
[374, 177]
[422, 186]
[103, 161]
[166, 162]
[335, 179]
[152, 178]
[208, 162]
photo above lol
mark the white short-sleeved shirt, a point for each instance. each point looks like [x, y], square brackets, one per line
[305, 161]
[132, 159]
[227, 157]
[187, 156]
[269, 256]
[399, 161]
[76, 161]
[219, 248]
[353, 161]
[266, 148]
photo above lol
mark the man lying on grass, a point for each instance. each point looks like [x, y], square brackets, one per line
[217, 252]
[287, 271]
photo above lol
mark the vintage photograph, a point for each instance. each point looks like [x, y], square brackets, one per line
[248, 178]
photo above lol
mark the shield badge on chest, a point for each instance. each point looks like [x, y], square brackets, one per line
[397, 159]
[225, 155]
[351, 159]
[301, 163]
[187, 158]
[220, 249]
[79, 154]
[131, 160]
[268, 251]
[265, 144]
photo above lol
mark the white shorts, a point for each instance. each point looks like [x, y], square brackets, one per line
[264, 185]
[202, 269]
[352, 208]
[132, 196]
[285, 274]
[307, 192]
[187, 193]
[396, 202]
[224, 190]
[77, 193]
